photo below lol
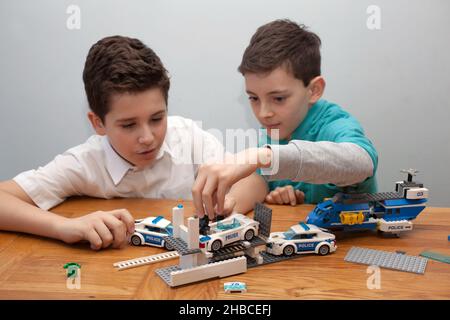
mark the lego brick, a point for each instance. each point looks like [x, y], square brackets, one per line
[436, 256]
[268, 258]
[253, 252]
[132, 263]
[385, 259]
[263, 215]
[174, 276]
[177, 220]
[193, 233]
[204, 225]
[368, 197]
[184, 233]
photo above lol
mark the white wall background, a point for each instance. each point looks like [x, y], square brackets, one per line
[395, 80]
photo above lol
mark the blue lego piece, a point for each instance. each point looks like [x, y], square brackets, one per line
[157, 219]
[304, 226]
[349, 212]
[205, 238]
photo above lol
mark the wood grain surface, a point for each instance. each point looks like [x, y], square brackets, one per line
[31, 267]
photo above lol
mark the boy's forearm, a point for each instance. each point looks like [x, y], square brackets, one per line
[320, 162]
[17, 215]
[247, 192]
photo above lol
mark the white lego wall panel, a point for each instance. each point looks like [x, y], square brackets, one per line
[212, 270]
[193, 233]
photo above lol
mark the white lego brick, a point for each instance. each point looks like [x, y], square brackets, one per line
[259, 259]
[187, 261]
[193, 260]
[417, 193]
[212, 270]
[177, 220]
[193, 233]
[184, 233]
[254, 251]
[132, 263]
[395, 226]
[202, 258]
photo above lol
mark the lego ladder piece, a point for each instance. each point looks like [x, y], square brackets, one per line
[385, 259]
[123, 265]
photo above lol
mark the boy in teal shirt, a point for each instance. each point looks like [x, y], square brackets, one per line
[327, 121]
[312, 149]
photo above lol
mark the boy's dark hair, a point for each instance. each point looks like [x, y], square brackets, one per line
[283, 43]
[120, 64]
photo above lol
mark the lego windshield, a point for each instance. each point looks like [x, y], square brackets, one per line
[227, 226]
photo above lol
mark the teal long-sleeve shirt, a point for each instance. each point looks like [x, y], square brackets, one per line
[326, 121]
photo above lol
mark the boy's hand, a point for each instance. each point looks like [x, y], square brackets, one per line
[101, 229]
[228, 207]
[214, 180]
[285, 195]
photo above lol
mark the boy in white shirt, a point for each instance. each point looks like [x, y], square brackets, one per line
[138, 152]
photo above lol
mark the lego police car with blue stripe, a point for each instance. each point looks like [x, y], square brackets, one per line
[151, 231]
[301, 238]
[234, 228]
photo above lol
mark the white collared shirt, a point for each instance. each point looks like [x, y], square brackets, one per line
[95, 169]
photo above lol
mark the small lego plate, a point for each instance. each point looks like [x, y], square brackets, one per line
[235, 287]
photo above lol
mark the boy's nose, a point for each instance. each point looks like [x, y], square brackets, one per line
[146, 136]
[265, 111]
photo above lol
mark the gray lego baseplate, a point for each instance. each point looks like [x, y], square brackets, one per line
[385, 259]
[164, 273]
[367, 197]
[180, 246]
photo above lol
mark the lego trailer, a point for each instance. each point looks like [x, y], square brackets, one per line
[389, 212]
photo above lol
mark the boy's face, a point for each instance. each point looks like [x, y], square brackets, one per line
[136, 125]
[279, 100]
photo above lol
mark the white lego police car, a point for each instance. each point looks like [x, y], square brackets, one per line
[301, 238]
[231, 229]
[235, 287]
[151, 231]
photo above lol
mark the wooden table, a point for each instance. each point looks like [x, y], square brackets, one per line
[32, 267]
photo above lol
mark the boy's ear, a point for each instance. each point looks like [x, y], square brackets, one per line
[316, 88]
[97, 123]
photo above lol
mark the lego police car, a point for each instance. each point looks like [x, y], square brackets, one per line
[301, 238]
[234, 228]
[235, 287]
[152, 231]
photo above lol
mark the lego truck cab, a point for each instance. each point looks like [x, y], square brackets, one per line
[390, 212]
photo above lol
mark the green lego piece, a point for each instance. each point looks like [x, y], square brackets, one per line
[436, 256]
[72, 269]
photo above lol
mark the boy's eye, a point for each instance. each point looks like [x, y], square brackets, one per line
[128, 125]
[280, 99]
[157, 119]
[253, 99]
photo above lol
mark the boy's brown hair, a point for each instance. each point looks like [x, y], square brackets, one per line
[121, 65]
[283, 43]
